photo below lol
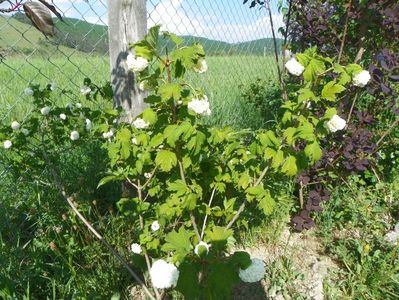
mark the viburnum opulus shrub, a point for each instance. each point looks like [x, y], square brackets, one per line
[351, 31]
[188, 187]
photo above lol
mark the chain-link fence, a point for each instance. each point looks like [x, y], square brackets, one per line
[237, 40]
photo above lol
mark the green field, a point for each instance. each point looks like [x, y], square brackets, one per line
[221, 83]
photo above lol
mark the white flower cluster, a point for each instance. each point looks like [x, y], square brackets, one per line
[163, 275]
[85, 90]
[393, 236]
[201, 66]
[63, 117]
[45, 110]
[136, 64]
[200, 106]
[139, 123]
[88, 124]
[75, 135]
[109, 134]
[336, 123]
[136, 248]
[15, 125]
[28, 92]
[155, 226]
[361, 79]
[294, 67]
[201, 246]
[255, 272]
[288, 53]
[7, 144]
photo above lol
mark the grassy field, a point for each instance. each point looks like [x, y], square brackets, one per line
[221, 83]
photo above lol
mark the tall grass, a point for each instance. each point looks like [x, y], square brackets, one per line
[221, 83]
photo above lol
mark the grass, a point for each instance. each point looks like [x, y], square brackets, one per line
[221, 83]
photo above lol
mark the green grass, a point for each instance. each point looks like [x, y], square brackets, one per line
[221, 83]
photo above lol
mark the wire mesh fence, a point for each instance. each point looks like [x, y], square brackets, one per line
[237, 40]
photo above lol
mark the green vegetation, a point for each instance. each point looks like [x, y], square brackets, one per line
[221, 83]
[93, 38]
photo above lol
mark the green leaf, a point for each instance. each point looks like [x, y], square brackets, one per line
[178, 242]
[221, 279]
[170, 91]
[313, 151]
[240, 259]
[107, 179]
[178, 186]
[173, 37]
[124, 135]
[289, 135]
[188, 282]
[314, 68]
[331, 89]
[330, 112]
[269, 139]
[290, 167]
[306, 95]
[266, 203]
[150, 116]
[153, 35]
[166, 160]
[218, 237]
[144, 49]
[255, 190]
[278, 159]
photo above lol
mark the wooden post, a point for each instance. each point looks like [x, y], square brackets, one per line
[127, 23]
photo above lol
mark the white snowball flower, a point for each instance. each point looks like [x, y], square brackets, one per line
[148, 176]
[336, 123]
[7, 144]
[294, 67]
[288, 53]
[134, 141]
[88, 125]
[15, 125]
[201, 66]
[155, 226]
[255, 272]
[63, 116]
[201, 245]
[109, 134]
[139, 123]
[53, 86]
[200, 106]
[163, 275]
[136, 248]
[85, 90]
[75, 135]
[45, 110]
[361, 79]
[136, 64]
[25, 131]
[28, 92]
[393, 236]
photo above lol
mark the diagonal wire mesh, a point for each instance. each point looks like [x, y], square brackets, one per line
[237, 40]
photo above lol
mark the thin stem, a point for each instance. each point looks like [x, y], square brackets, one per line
[267, 5]
[147, 259]
[70, 201]
[351, 110]
[345, 31]
[206, 215]
[242, 207]
[393, 125]
[149, 179]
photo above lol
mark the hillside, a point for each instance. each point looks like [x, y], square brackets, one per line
[90, 38]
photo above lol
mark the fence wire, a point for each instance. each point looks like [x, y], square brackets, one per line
[237, 41]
